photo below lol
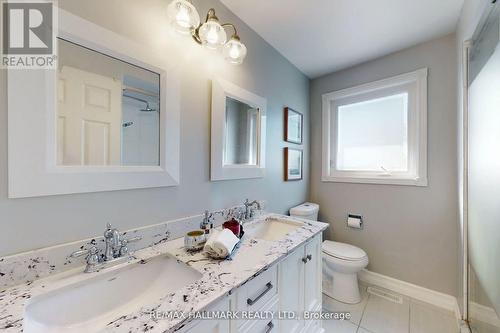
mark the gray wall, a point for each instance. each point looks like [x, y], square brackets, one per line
[411, 233]
[38, 222]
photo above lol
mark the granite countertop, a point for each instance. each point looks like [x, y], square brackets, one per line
[219, 278]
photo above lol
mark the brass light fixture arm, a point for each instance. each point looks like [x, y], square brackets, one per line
[235, 33]
[211, 16]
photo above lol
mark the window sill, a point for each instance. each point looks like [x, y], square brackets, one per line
[377, 180]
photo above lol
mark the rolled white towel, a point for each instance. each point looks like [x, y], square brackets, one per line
[221, 243]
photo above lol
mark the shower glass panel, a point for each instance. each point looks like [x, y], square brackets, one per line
[484, 177]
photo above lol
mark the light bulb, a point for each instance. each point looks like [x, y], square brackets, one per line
[234, 51]
[183, 16]
[212, 34]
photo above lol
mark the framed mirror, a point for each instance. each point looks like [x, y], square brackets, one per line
[238, 132]
[106, 118]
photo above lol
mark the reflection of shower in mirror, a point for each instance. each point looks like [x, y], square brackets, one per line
[142, 92]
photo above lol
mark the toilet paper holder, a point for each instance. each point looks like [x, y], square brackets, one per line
[354, 221]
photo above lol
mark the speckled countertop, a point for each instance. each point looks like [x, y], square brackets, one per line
[218, 279]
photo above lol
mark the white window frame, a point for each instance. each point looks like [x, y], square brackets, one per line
[415, 83]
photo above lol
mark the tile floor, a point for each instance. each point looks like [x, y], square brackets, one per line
[378, 315]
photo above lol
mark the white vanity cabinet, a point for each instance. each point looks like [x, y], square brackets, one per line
[299, 282]
[288, 288]
[213, 325]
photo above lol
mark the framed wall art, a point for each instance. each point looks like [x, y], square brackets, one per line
[293, 125]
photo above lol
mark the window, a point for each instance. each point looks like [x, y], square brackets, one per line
[377, 132]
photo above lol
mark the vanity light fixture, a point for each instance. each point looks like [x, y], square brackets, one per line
[184, 18]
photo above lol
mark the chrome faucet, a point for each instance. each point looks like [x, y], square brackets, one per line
[112, 238]
[207, 221]
[116, 248]
[92, 257]
[249, 208]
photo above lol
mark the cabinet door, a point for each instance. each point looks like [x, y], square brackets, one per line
[291, 290]
[211, 326]
[312, 283]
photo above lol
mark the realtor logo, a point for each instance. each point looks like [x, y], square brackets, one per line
[28, 34]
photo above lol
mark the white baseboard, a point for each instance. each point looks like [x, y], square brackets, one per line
[484, 314]
[422, 294]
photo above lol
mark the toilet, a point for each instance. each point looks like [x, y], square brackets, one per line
[307, 210]
[341, 264]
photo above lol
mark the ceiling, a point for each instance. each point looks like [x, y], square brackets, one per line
[323, 36]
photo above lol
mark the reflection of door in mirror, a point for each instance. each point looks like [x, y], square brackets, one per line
[89, 118]
[108, 110]
[242, 122]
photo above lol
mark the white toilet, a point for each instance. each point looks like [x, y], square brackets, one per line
[341, 264]
[307, 210]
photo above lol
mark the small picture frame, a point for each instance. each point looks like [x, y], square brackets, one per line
[293, 126]
[293, 164]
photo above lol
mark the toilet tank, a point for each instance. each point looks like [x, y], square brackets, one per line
[307, 211]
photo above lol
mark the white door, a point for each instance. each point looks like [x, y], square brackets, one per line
[89, 118]
[291, 290]
[312, 283]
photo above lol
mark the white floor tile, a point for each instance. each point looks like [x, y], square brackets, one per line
[339, 326]
[426, 318]
[383, 316]
[356, 310]
[362, 330]
[480, 327]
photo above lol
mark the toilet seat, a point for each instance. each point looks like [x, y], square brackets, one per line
[343, 251]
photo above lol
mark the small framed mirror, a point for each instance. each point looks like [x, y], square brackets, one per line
[238, 132]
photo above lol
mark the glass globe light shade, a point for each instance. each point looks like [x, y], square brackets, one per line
[212, 35]
[234, 51]
[183, 16]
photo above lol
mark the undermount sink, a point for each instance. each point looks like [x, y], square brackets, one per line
[272, 229]
[88, 306]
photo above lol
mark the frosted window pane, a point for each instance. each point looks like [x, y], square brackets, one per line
[373, 135]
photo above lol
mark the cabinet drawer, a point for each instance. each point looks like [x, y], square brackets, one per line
[314, 327]
[255, 293]
[264, 325]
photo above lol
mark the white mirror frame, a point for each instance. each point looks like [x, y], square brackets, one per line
[219, 171]
[32, 123]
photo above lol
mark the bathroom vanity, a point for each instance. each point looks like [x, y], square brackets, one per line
[272, 279]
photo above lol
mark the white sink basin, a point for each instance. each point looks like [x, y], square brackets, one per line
[88, 306]
[272, 230]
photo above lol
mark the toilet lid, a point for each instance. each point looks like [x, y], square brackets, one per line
[343, 251]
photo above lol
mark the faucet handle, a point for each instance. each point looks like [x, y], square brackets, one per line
[88, 252]
[132, 239]
[124, 250]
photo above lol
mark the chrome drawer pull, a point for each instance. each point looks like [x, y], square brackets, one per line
[269, 286]
[270, 327]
